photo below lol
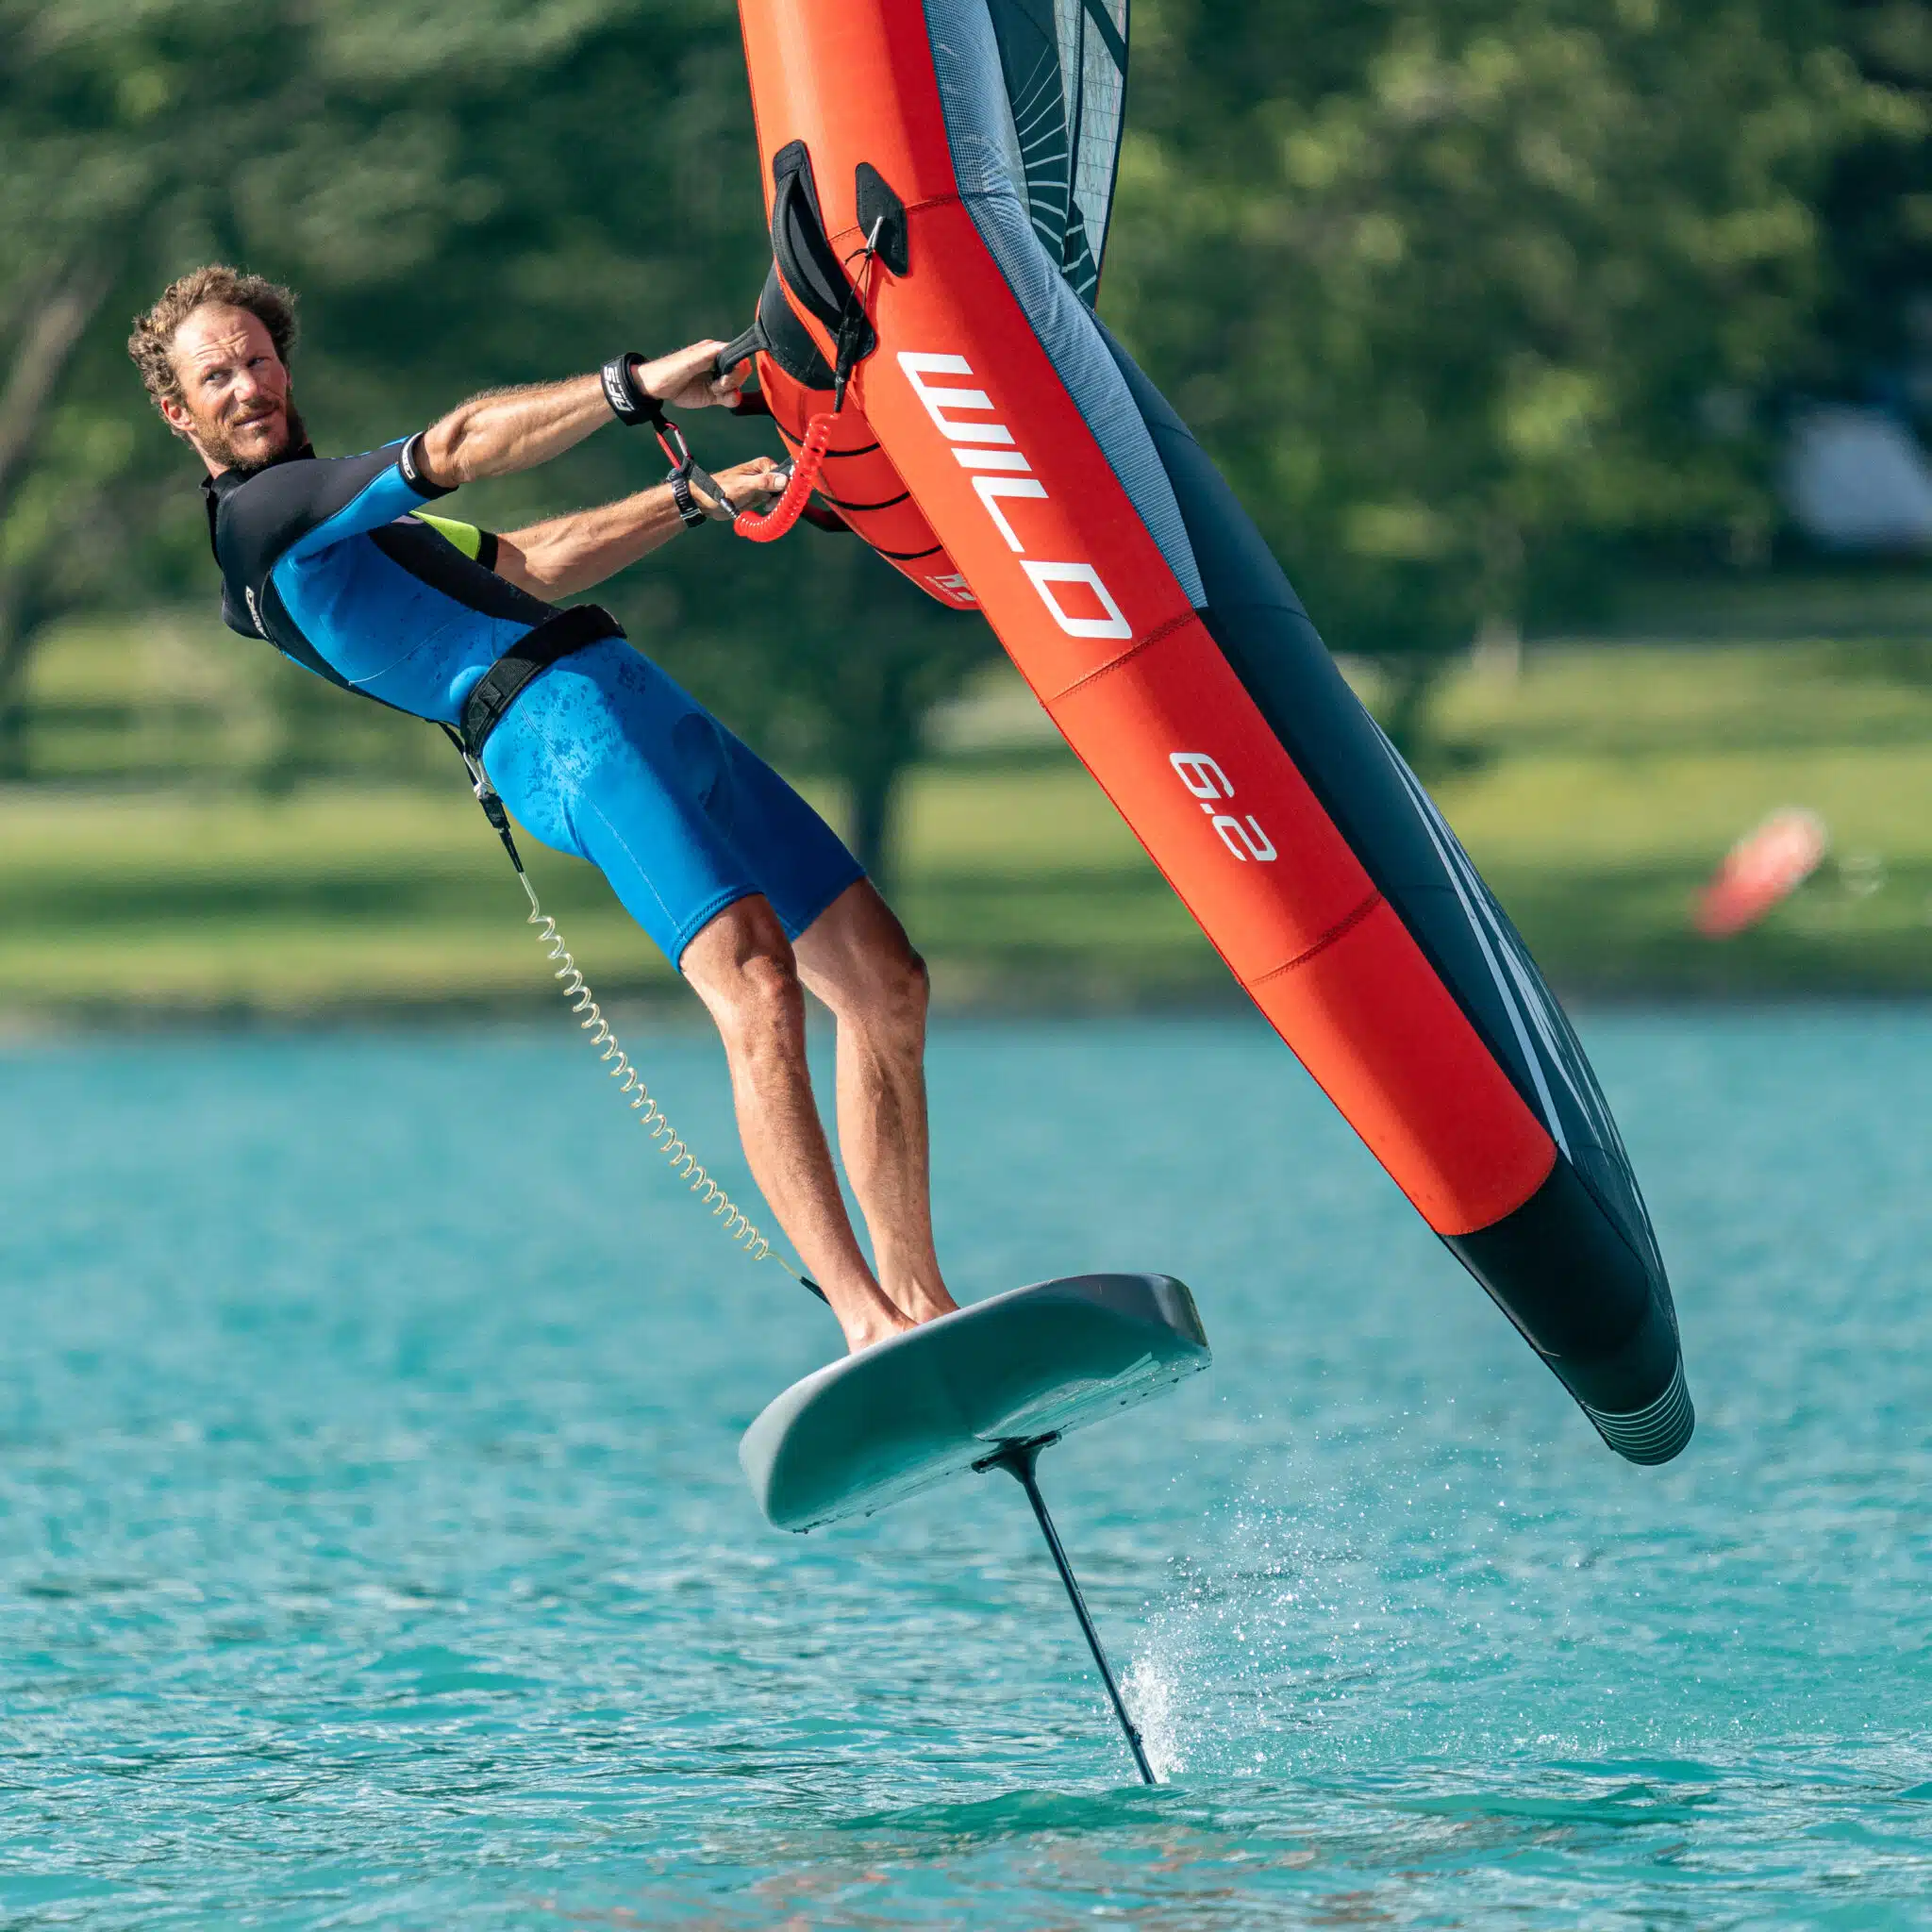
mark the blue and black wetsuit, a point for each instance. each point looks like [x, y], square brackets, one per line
[337, 563]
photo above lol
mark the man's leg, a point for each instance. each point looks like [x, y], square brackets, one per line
[857, 958]
[741, 966]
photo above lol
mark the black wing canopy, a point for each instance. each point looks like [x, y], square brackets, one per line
[1065, 67]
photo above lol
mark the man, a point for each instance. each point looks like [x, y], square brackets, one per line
[747, 891]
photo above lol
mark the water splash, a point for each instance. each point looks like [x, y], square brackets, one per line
[1152, 1690]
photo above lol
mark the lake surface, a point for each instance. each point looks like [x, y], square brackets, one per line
[373, 1549]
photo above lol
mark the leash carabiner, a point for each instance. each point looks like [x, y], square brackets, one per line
[689, 478]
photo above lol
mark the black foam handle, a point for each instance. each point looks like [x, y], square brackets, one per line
[741, 349]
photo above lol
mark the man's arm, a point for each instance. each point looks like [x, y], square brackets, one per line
[501, 432]
[568, 554]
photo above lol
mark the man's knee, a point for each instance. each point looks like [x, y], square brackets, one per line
[742, 967]
[911, 984]
[857, 957]
[759, 1008]
[891, 984]
[767, 986]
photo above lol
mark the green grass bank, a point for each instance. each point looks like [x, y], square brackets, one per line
[149, 872]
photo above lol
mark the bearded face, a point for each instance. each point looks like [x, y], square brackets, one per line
[235, 405]
[257, 441]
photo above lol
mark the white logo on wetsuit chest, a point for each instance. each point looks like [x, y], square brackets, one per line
[254, 613]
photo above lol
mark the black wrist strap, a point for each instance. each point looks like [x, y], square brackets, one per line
[687, 504]
[633, 406]
[630, 402]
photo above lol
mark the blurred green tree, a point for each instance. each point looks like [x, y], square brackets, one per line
[465, 194]
[1471, 297]
[1874, 338]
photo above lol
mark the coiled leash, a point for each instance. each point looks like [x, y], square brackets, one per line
[834, 293]
[699, 499]
[485, 709]
[855, 338]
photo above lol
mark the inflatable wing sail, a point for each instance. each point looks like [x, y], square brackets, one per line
[1064, 65]
[1029, 467]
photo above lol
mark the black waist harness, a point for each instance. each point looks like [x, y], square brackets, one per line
[506, 680]
[501, 685]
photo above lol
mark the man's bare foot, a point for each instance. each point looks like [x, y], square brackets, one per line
[875, 1328]
[894, 1313]
[922, 1304]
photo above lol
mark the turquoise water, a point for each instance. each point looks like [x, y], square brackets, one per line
[373, 1549]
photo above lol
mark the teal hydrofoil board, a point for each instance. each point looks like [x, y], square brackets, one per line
[872, 1428]
[987, 1387]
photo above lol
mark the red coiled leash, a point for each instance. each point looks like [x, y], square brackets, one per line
[773, 524]
[810, 460]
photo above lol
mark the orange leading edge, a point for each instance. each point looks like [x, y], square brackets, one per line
[999, 448]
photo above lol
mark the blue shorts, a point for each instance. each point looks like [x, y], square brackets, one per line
[603, 755]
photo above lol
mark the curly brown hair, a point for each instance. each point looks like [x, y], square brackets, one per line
[152, 343]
